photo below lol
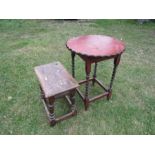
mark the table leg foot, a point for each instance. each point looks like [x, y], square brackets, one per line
[109, 95]
[86, 104]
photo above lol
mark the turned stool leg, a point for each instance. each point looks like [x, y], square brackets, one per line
[42, 93]
[88, 70]
[116, 63]
[94, 75]
[50, 102]
[72, 98]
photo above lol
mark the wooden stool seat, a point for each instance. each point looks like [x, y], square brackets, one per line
[54, 79]
[56, 82]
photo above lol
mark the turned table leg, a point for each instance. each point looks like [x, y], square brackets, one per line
[116, 63]
[87, 70]
[94, 75]
[73, 64]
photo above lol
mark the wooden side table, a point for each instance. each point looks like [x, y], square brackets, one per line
[56, 82]
[93, 49]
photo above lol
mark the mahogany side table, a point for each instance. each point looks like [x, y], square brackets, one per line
[93, 49]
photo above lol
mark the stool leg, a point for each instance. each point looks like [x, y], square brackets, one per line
[88, 70]
[72, 98]
[116, 63]
[42, 92]
[73, 64]
[51, 110]
[94, 76]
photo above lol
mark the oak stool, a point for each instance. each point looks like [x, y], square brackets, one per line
[56, 82]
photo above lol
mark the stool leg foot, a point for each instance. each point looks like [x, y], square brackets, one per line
[52, 123]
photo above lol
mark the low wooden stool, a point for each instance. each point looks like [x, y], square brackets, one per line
[56, 82]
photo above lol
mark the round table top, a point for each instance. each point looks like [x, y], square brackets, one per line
[96, 45]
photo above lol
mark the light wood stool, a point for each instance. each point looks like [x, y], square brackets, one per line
[56, 82]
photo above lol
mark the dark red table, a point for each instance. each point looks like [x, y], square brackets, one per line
[93, 49]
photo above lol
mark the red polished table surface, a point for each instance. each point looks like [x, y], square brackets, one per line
[96, 45]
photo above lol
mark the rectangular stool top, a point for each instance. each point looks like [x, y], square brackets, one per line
[55, 79]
